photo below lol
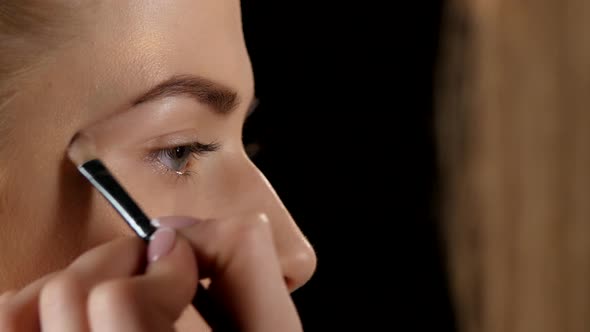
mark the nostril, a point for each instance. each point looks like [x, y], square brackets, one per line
[292, 284]
[298, 269]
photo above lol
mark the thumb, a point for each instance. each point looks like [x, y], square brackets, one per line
[171, 278]
[155, 300]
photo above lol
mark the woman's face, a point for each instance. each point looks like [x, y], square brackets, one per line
[164, 89]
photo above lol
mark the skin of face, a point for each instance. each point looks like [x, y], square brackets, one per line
[121, 49]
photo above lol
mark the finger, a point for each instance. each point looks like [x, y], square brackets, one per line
[62, 302]
[19, 311]
[240, 257]
[152, 301]
[7, 295]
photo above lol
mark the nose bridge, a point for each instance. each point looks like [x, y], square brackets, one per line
[297, 257]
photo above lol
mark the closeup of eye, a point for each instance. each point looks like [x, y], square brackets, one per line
[177, 159]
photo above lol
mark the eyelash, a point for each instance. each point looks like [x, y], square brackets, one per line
[194, 149]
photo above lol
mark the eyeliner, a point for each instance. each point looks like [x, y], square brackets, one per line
[81, 152]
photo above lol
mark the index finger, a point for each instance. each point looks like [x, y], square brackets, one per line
[93, 266]
[239, 256]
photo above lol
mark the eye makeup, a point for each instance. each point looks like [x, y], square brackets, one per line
[82, 152]
[176, 159]
[169, 138]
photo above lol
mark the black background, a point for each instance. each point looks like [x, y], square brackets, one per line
[345, 126]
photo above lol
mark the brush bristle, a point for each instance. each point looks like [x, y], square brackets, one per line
[81, 149]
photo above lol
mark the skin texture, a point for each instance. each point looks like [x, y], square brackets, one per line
[50, 215]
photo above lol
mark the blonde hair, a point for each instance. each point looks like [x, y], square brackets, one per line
[514, 119]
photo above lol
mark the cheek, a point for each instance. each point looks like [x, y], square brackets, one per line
[152, 190]
[51, 215]
[220, 188]
[216, 183]
[161, 193]
[81, 212]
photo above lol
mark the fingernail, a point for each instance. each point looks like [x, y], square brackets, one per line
[161, 243]
[175, 222]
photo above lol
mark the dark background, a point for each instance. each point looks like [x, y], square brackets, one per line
[346, 134]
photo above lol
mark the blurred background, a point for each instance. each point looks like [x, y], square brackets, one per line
[344, 133]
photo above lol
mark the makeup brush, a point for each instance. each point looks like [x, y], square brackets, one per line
[82, 152]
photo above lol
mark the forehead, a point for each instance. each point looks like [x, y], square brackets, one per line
[126, 47]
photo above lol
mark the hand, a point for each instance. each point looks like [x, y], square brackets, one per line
[107, 289]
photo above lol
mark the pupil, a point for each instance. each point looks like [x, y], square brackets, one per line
[179, 151]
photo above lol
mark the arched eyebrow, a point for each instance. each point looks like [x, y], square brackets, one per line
[222, 99]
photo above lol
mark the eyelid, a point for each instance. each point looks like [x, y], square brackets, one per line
[175, 139]
[202, 148]
[196, 149]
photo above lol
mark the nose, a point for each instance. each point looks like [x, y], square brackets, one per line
[298, 266]
[297, 257]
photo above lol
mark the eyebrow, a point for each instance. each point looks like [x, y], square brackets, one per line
[222, 99]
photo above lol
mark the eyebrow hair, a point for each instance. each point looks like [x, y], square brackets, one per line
[221, 98]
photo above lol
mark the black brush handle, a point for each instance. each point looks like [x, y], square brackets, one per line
[100, 177]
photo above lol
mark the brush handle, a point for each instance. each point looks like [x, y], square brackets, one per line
[102, 179]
